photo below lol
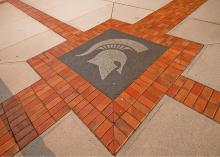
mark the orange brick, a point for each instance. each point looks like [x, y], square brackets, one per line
[181, 95]
[217, 116]
[108, 137]
[210, 110]
[103, 128]
[124, 127]
[197, 88]
[96, 122]
[136, 113]
[130, 120]
[190, 100]
[200, 104]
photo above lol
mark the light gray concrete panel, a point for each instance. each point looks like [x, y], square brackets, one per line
[174, 130]
[205, 68]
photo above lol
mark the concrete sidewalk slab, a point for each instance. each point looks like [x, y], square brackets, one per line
[71, 11]
[205, 68]
[146, 4]
[30, 47]
[17, 28]
[174, 130]
[199, 31]
[93, 18]
[16, 76]
[129, 14]
[208, 12]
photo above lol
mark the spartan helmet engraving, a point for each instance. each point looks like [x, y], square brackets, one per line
[111, 54]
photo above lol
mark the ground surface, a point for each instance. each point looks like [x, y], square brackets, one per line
[102, 78]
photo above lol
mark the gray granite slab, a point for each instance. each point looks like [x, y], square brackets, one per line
[113, 60]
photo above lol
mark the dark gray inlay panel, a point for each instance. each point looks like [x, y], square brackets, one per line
[113, 60]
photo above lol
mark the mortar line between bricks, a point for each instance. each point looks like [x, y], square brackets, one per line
[16, 141]
[51, 88]
[13, 136]
[208, 100]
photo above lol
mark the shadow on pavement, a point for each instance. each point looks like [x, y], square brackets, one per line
[5, 127]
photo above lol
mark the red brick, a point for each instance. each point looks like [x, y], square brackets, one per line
[136, 113]
[132, 92]
[12, 151]
[123, 103]
[124, 127]
[150, 96]
[217, 116]
[181, 95]
[190, 100]
[127, 98]
[108, 137]
[6, 146]
[206, 93]
[108, 110]
[97, 99]
[113, 147]
[130, 120]
[91, 116]
[103, 104]
[119, 136]
[215, 98]
[80, 106]
[86, 110]
[172, 91]
[27, 139]
[200, 105]
[117, 109]
[197, 88]
[93, 95]
[210, 110]
[147, 102]
[62, 112]
[103, 128]
[142, 108]
[45, 125]
[75, 101]
[96, 122]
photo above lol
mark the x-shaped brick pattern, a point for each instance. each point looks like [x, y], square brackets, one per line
[32, 111]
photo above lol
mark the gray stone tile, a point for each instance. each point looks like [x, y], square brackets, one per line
[16, 77]
[68, 137]
[129, 14]
[174, 130]
[17, 28]
[199, 31]
[83, 14]
[30, 47]
[146, 4]
[205, 68]
[209, 11]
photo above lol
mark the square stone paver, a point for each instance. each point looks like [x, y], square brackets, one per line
[83, 15]
[196, 30]
[173, 129]
[113, 60]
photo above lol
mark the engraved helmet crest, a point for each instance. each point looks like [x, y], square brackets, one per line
[111, 56]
